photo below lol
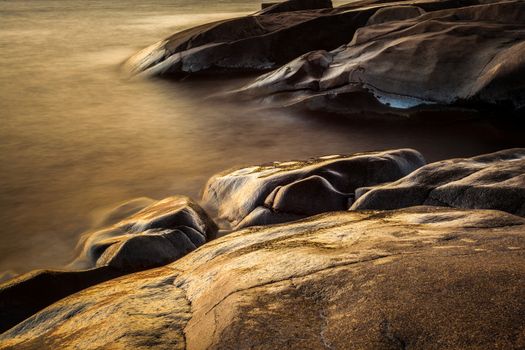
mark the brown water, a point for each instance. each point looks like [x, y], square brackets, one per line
[76, 138]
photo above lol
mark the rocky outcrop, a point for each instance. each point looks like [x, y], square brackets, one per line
[422, 278]
[408, 63]
[264, 40]
[286, 191]
[154, 236]
[490, 181]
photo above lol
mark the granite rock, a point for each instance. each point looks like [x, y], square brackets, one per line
[490, 181]
[423, 278]
[406, 63]
[160, 233]
[262, 41]
[285, 191]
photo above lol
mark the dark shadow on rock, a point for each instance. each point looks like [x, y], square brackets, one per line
[25, 295]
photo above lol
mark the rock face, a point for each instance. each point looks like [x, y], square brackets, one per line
[159, 234]
[156, 235]
[422, 278]
[406, 62]
[281, 192]
[490, 181]
[264, 40]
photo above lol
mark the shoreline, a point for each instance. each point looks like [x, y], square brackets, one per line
[385, 248]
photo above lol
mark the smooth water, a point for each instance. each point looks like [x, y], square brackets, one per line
[77, 139]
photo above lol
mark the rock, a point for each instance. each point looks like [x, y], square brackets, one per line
[154, 236]
[491, 181]
[286, 191]
[262, 41]
[408, 64]
[422, 278]
[295, 5]
[7, 275]
[394, 13]
[262, 216]
[27, 294]
[309, 196]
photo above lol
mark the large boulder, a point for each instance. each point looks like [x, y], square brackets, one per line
[418, 278]
[154, 236]
[264, 40]
[490, 181]
[286, 191]
[409, 63]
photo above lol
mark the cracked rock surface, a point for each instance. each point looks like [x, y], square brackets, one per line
[489, 181]
[286, 191]
[422, 277]
[405, 61]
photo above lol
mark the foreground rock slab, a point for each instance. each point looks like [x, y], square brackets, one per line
[422, 278]
[286, 191]
[409, 63]
[489, 181]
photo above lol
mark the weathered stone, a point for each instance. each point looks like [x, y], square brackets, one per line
[159, 234]
[154, 236]
[291, 190]
[261, 216]
[470, 59]
[264, 40]
[394, 13]
[309, 196]
[422, 278]
[490, 181]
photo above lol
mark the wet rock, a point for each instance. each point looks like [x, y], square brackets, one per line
[408, 64]
[262, 41]
[285, 191]
[160, 233]
[491, 181]
[422, 278]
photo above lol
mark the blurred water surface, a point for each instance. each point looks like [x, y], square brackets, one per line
[76, 138]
